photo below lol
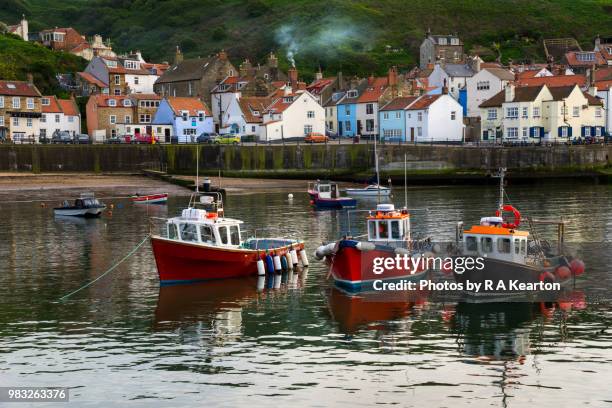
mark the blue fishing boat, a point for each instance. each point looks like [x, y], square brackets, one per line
[325, 194]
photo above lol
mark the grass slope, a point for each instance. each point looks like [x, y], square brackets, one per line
[358, 36]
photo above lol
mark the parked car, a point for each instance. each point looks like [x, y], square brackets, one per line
[62, 137]
[207, 138]
[227, 139]
[143, 139]
[82, 138]
[125, 139]
[248, 138]
[316, 138]
[43, 139]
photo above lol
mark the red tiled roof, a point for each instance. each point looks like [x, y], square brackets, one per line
[102, 100]
[317, 86]
[280, 104]
[92, 79]
[254, 103]
[530, 73]
[553, 81]
[192, 105]
[18, 88]
[424, 102]
[52, 107]
[148, 96]
[374, 90]
[573, 61]
[603, 84]
[399, 103]
[69, 107]
[158, 69]
[603, 74]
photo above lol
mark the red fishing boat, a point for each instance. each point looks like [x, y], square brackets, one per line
[356, 265]
[202, 244]
[150, 198]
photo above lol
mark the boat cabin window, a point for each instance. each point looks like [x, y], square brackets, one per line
[523, 246]
[471, 244]
[486, 243]
[395, 230]
[172, 231]
[503, 245]
[206, 234]
[189, 232]
[234, 235]
[383, 230]
[325, 188]
[517, 246]
[223, 235]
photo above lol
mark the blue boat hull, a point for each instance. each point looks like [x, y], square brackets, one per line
[335, 203]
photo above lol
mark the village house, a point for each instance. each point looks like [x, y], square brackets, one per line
[68, 40]
[444, 49]
[452, 76]
[59, 115]
[602, 87]
[346, 108]
[250, 119]
[20, 111]
[183, 118]
[323, 88]
[101, 48]
[604, 46]
[194, 77]
[531, 114]
[87, 84]
[144, 107]
[292, 117]
[331, 113]
[107, 115]
[434, 119]
[484, 85]
[582, 61]
[392, 118]
[553, 80]
[21, 29]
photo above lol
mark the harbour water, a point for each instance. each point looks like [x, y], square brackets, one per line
[296, 340]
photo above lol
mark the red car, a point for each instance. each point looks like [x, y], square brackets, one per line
[143, 139]
[316, 138]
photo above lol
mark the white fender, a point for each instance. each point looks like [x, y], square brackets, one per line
[325, 250]
[261, 269]
[289, 261]
[277, 263]
[294, 257]
[365, 246]
[304, 257]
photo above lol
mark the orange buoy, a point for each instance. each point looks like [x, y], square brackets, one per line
[563, 272]
[577, 267]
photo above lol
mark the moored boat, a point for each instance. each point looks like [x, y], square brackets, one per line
[160, 198]
[372, 190]
[355, 265]
[84, 206]
[202, 244]
[325, 194]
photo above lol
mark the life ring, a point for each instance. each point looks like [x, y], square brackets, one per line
[515, 213]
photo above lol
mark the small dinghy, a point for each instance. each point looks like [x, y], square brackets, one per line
[161, 198]
[84, 206]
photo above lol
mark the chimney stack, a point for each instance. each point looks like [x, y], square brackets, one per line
[319, 74]
[509, 97]
[392, 76]
[30, 79]
[178, 56]
[340, 80]
[222, 55]
[272, 60]
[245, 68]
[293, 77]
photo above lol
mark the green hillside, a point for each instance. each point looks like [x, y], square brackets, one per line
[18, 58]
[361, 36]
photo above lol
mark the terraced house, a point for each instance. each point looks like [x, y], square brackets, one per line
[20, 111]
[540, 113]
[59, 115]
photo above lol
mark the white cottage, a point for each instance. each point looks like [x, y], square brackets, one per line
[59, 115]
[293, 116]
[434, 119]
[484, 85]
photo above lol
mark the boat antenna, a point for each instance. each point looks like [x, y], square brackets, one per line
[197, 190]
[405, 182]
[377, 172]
[501, 174]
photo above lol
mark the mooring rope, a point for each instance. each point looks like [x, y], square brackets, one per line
[112, 268]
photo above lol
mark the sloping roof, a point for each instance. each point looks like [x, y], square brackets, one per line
[92, 79]
[317, 86]
[374, 90]
[155, 69]
[346, 99]
[561, 92]
[187, 70]
[192, 105]
[280, 104]
[501, 73]
[423, 102]
[254, 103]
[593, 100]
[437, 37]
[69, 107]
[52, 107]
[399, 103]
[458, 70]
[521, 94]
[572, 58]
[603, 74]
[101, 100]
[18, 88]
[553, 81]
[145, 96]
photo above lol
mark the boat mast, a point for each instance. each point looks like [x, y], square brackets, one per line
[376, 167]
[405, 182]
[197, 169]
[501, 175]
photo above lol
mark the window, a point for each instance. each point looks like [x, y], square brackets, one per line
[135, 80]
[113, 119]
[471, 244]
[525, 132]
[206, 234]
[587, 131]
[503, 245]
[112, 102]
[536, 111]
[113, 132]
[57, 118]
[523, 246]
[347, 126]
[16, 103]
[200, 116]
[563, 110]
[43, 133]
[512, 133]
[512, 113]
[398, 115]
[347, 110]
[117, 92]
[234, 235]
[383, 230]
[453, 115]
[45, 102]
[1, 120]
[395, 230]
[419, 131]
[369, 108]
[386, 115]
[310, 114]
[598, 112]
[43, 118]
[223, 235]
[352, 94]
[117, 80]
[29, 122]
[486, 243]
[525, 112]
[420, 116]
[30, 103]
[127, 103]
[491, 114]
[127, 119]
[307, 129]
[563, 131]
[189, 232]
[576, 111]
[145, 118]
[15, 121]
[597, 130]
[369, 125]
[189, 132]
[517, 246]
[1, 101]
[483, 85]
[184, 115]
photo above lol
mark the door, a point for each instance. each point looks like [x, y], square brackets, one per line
[412, 134]
[340, 128]
[167, 135]
[137, 132]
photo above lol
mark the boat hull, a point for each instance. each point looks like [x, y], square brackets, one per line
[78, 212]
[151, 199]
[334, 202]
[353, 268]
[183, 262]
[359, 192]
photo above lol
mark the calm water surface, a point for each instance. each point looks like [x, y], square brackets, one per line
[295, 341]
